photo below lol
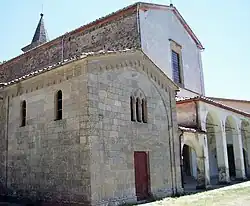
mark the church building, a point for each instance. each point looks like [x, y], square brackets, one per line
[115, 112]
[89, 117]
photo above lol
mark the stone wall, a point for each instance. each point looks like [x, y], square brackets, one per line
[88, 155]
[114, 137]
[117, 32]
[47, 159]
[3, 144]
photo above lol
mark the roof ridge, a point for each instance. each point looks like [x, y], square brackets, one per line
[96, 21]
[65, 61]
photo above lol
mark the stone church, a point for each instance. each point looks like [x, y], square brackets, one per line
[89, 118]
[115, 112]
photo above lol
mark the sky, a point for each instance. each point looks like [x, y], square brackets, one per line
[221, 25]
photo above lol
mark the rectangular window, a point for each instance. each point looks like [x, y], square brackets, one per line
[176, 67]
[58, 105]
[23, 114]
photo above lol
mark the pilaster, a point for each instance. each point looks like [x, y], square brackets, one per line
[238, 154]
[203, 174]
[222, 157]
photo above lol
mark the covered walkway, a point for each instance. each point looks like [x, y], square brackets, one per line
[215, 143]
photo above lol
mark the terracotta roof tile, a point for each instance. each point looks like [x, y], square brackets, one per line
[61, 63]
[180, 100]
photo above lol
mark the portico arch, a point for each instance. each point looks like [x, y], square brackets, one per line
[217, 150]
[190, 151]
[214, 133]
[193, 159]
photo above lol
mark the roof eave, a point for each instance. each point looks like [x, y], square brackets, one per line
[188, 29]
[195, 99]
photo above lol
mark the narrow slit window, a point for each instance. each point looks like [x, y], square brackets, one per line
[132, 108]
[59, 105]
[176, 67]
[23, 114]
[144, 110]
[138, 110]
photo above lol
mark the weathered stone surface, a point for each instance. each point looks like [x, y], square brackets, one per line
[87, 157]
[114, 138]
[119, 32]
[223, 175]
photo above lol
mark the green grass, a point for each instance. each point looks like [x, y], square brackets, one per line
[228, 196]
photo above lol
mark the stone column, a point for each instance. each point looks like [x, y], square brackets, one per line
[246, 145]
[248, 156]
[201, 179]
[238, 154]
[203, 174]
[222, 158]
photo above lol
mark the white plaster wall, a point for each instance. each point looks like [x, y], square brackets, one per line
[186, 93]
[221, 113]
[157, 26]
[213, 163]
[193, 163]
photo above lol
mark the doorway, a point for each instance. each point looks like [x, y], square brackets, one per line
[141, 175]
[186, 160]
[231, 163]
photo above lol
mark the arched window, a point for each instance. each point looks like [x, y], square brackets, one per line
[138, 107]
[23, 113]
[132, 108]
[144, 110]
[58, 105]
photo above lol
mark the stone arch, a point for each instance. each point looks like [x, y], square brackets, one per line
[133, 80]
[245, 134]
[138, 93]
[138, 106]
[191, 143]
[214, 133]
[163, 94]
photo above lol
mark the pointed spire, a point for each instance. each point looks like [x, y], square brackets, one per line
[39, 37]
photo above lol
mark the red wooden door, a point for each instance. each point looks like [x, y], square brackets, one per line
[141, 175]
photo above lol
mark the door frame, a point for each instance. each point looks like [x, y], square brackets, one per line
[148, 173]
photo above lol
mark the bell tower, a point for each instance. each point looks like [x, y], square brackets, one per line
[40, 36]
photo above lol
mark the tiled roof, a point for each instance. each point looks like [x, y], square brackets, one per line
[180, 100]
[104, 18]
[66, 61]
[231, 100]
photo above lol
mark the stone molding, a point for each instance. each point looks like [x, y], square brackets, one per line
[136, 60]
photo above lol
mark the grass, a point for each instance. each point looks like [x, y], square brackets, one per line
[238, 194]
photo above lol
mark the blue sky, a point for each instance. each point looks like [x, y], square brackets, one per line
[222, 26]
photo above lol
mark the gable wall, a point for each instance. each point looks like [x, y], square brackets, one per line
[157, 26]
[114, 137]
